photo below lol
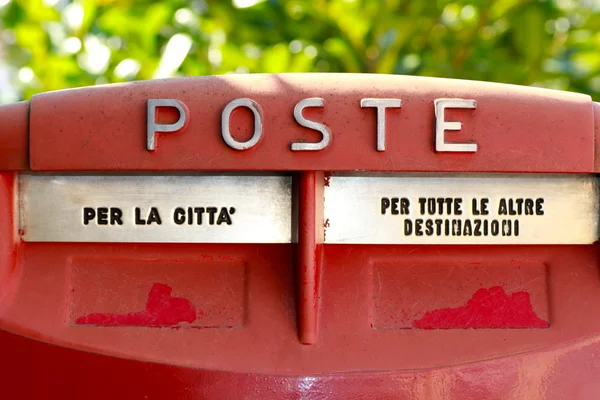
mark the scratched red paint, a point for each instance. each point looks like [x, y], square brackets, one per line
[327, 178]
[162, 309]
[488, 308]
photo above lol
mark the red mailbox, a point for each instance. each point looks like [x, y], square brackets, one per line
[300, 236]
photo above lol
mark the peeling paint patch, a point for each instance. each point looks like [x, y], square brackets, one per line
[488, 308]
[327, 178]
[162, 310]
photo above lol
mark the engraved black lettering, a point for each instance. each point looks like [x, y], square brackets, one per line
[456, 225]
[438, 226]
[404, 206]
[395, 210]
[408, 228]
[385, 204]
[448, 201]
[429, 227]
[431, 206]
[179, 216]
[468, 228]
[138, 217]
[516, 227]
[190, 216]
[224, 217]
[502, 207]
[199, 211]
[419, 227]
[475, 210]
[480, 206]
[477, 228]
[457, 206]
[89, 214]
[484, 206]
[529, 207]
[422, 201]
[115, 216]
[495, 228]
[519, 206]
[440, 203]
[154, 216]
[511, 207]
[211, 214]
[539, 206]
[102, 216]
[506, 227]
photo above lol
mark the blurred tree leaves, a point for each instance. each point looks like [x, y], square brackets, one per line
[56, 44]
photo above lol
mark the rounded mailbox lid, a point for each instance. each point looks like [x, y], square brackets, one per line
[327, 122]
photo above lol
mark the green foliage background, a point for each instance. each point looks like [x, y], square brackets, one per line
[56, 44]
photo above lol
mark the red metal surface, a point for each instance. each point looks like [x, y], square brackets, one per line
[162, 310]
[487, 308]
[257, 333]
[310, 254]
[480, 301]
[518, 129]
[229, 321]
[10, 260]
[596, 137]
[33, 370]
[207, 292]
[14, 137]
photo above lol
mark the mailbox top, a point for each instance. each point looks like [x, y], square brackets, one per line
[331, 122]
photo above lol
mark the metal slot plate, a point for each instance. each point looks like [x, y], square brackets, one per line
[369, 209]
[365, 209]
[192, 209]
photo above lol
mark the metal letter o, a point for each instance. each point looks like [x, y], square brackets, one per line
[226, 115]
